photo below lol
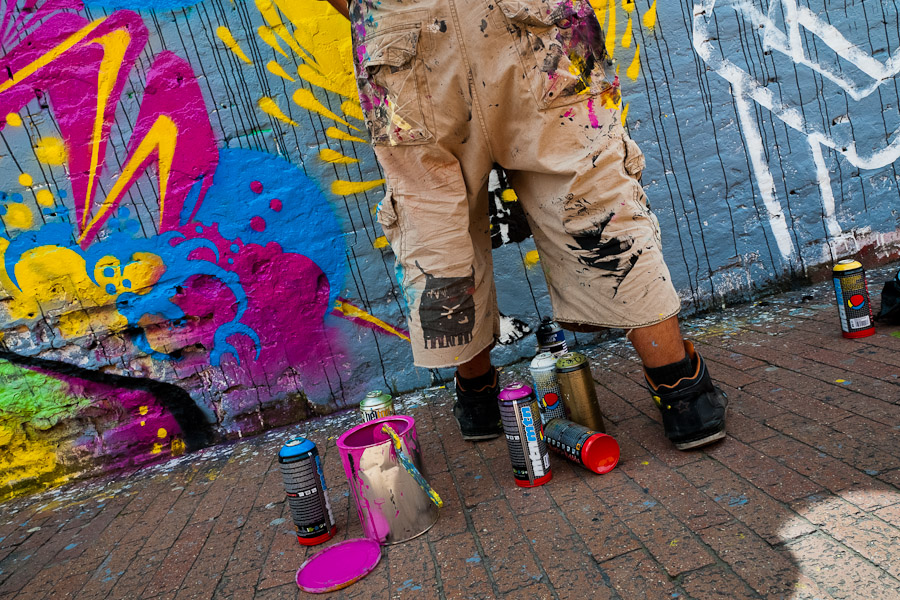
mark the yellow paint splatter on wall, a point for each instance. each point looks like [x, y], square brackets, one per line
[305, 99]
[45, 198]
[13, 120]
[51, 151]
[532, 258]
[348, 188]
[277, 69]
[18, 216]
[271, 108]
[227, 38]
[26, 180]
[332, 156]
[650, 17]
[381, 242]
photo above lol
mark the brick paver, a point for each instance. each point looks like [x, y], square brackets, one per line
[800, 502]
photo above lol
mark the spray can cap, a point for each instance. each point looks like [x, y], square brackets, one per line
[515, 391]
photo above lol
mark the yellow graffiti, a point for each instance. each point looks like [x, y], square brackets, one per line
[381, 242]
[348, 188]
[18, 216]
[114, 46]
[13, 120]
[650, 17]
[23, 459]
[51, 276]
[626, 37]
[532, 258]
[635, 68]
[278, 70]
[351, 108]
[160, 140]
[271, 108]
[31, 68]
[267, 36]
[227, 38]
[611, 29]
[178, 447]
[350, 311]
[606, 14]
[334, 132]
[321, 30]
[51, 151]
[26, 180]
[331, 156]
[45, 198]
[305, 99]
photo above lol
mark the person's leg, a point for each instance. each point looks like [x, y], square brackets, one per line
[660, 344]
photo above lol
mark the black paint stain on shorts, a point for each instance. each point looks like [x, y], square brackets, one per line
[447, 310]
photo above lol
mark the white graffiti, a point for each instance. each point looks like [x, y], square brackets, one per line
[859, 82]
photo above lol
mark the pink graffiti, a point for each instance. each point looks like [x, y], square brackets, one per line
[80, 68]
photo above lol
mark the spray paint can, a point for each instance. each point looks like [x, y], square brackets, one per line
[307, 494]
[852, 293]
[376, 404]
[551, 338]
[521, 418]
[579, 395]
[546, 387]
[591, 449]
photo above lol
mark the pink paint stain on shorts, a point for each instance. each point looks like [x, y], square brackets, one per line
[592, 116]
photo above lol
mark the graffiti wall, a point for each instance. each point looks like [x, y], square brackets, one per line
[189, 247]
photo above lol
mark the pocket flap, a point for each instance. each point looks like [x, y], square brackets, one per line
[386, 212]
[634, 158]
[394, 48]
[529, 12]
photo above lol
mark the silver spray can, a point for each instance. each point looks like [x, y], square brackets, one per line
[546, 387]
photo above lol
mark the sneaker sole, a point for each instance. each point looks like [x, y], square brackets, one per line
[713, 437]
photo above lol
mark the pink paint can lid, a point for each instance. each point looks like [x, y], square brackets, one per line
[338, 566]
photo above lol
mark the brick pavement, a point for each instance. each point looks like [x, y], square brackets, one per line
[801, 501]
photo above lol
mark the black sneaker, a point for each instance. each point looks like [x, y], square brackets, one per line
[477, 412]
[693, 409]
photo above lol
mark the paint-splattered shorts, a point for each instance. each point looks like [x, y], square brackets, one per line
[450, 87]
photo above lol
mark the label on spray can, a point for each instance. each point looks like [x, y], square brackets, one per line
[525, 441]
[307, 494]
[591, 449]
[376, 404]
[852, 295]
[546, 387]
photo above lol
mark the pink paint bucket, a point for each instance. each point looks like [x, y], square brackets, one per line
[392, 505]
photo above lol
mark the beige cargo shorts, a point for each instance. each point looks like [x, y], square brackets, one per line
[450, 87]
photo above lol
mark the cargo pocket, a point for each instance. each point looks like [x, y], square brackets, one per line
[387, 216]
[561, 47]
[634, 159]
[392, 85]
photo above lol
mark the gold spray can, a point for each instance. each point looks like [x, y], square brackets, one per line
[579, 394]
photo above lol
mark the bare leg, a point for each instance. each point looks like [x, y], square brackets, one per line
[660, 344]
[476, 367]
[657, 345]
